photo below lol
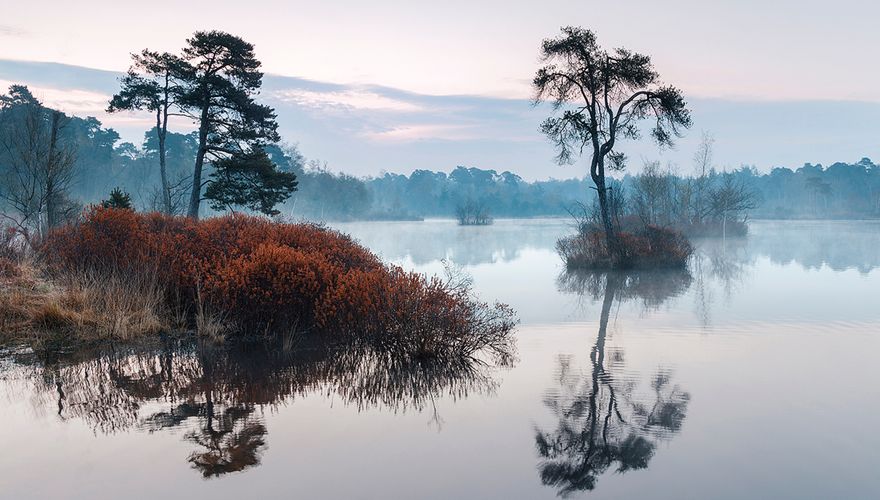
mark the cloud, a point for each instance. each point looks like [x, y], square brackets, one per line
[7, 30]
[351, 99]
[364, 129]
[71, 101]
[408, 133]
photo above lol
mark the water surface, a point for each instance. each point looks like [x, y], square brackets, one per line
[751, 375]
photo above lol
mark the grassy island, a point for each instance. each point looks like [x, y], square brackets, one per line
[118, 275]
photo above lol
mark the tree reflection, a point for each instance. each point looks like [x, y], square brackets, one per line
[603, 422]
[218, 394]
[718, 264]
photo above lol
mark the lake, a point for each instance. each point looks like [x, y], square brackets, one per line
[752, 375]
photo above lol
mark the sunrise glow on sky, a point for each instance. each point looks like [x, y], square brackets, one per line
[386, 63]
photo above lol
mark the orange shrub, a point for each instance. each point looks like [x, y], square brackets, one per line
[275, 287]
[266, 276]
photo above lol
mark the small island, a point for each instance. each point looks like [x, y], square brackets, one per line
[119, 275]
[473, 213]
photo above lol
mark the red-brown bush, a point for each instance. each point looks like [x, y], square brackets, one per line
[266, 276]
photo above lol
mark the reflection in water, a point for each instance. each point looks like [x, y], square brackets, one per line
[810, 244]
[435, 240]
[217, 394]
[602, 420]
[652, 287]
[611, 409]
[839, 245]
[718, 264]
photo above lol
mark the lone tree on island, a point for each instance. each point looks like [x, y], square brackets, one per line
[599, 97]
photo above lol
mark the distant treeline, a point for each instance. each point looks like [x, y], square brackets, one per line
[101, 162]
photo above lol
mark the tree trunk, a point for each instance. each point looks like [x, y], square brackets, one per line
[605, 211]
[161, 131]
[724, 227]
[50, 174]
[196, 195]
[597, 173]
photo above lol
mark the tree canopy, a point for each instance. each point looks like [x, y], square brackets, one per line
[249, 180]
[602, 96]
[220, 78]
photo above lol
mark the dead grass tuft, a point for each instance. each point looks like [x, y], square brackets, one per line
[88, 305]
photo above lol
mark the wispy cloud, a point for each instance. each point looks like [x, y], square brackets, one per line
[73, 101]
[82, 102]
[7, 30]
[352, 99]
[364, 129]
[408, 133]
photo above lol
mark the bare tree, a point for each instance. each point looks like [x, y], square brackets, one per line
[178, 196]
[57, 172]
[703, 159]
[651, 196]
[473, 213]
[602, 96]
[38, 164]
[731, 199]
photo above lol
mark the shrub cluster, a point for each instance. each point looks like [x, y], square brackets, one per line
[269, 277]
[650, 247]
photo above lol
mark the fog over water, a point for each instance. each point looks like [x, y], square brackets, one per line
[750, 375]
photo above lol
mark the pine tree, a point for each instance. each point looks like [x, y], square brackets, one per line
[118, 199]
[249, 180]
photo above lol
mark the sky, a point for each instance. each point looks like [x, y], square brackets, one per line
[393, 85]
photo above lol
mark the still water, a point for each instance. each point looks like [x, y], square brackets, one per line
[752, 375]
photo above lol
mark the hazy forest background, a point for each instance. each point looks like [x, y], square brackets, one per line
[100, 162]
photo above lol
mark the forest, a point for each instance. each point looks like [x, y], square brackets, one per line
[103, 162]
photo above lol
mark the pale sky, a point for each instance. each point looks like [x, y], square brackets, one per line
[398, 85]
[746, 48]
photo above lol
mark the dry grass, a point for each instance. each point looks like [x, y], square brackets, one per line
[208, 323]
[83, 305]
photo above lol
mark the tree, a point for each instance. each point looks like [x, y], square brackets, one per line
[731, 198]
[220, 77]
[652, 195]
[473, 213]
[599, 97]
[819, 189]
[118, 199]
[180, 154]
[18, 95]
[249, 180]
[38, 163]
[703, 166]
[151, 85]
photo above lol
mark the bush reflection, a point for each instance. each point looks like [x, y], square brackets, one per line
[218, 394]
